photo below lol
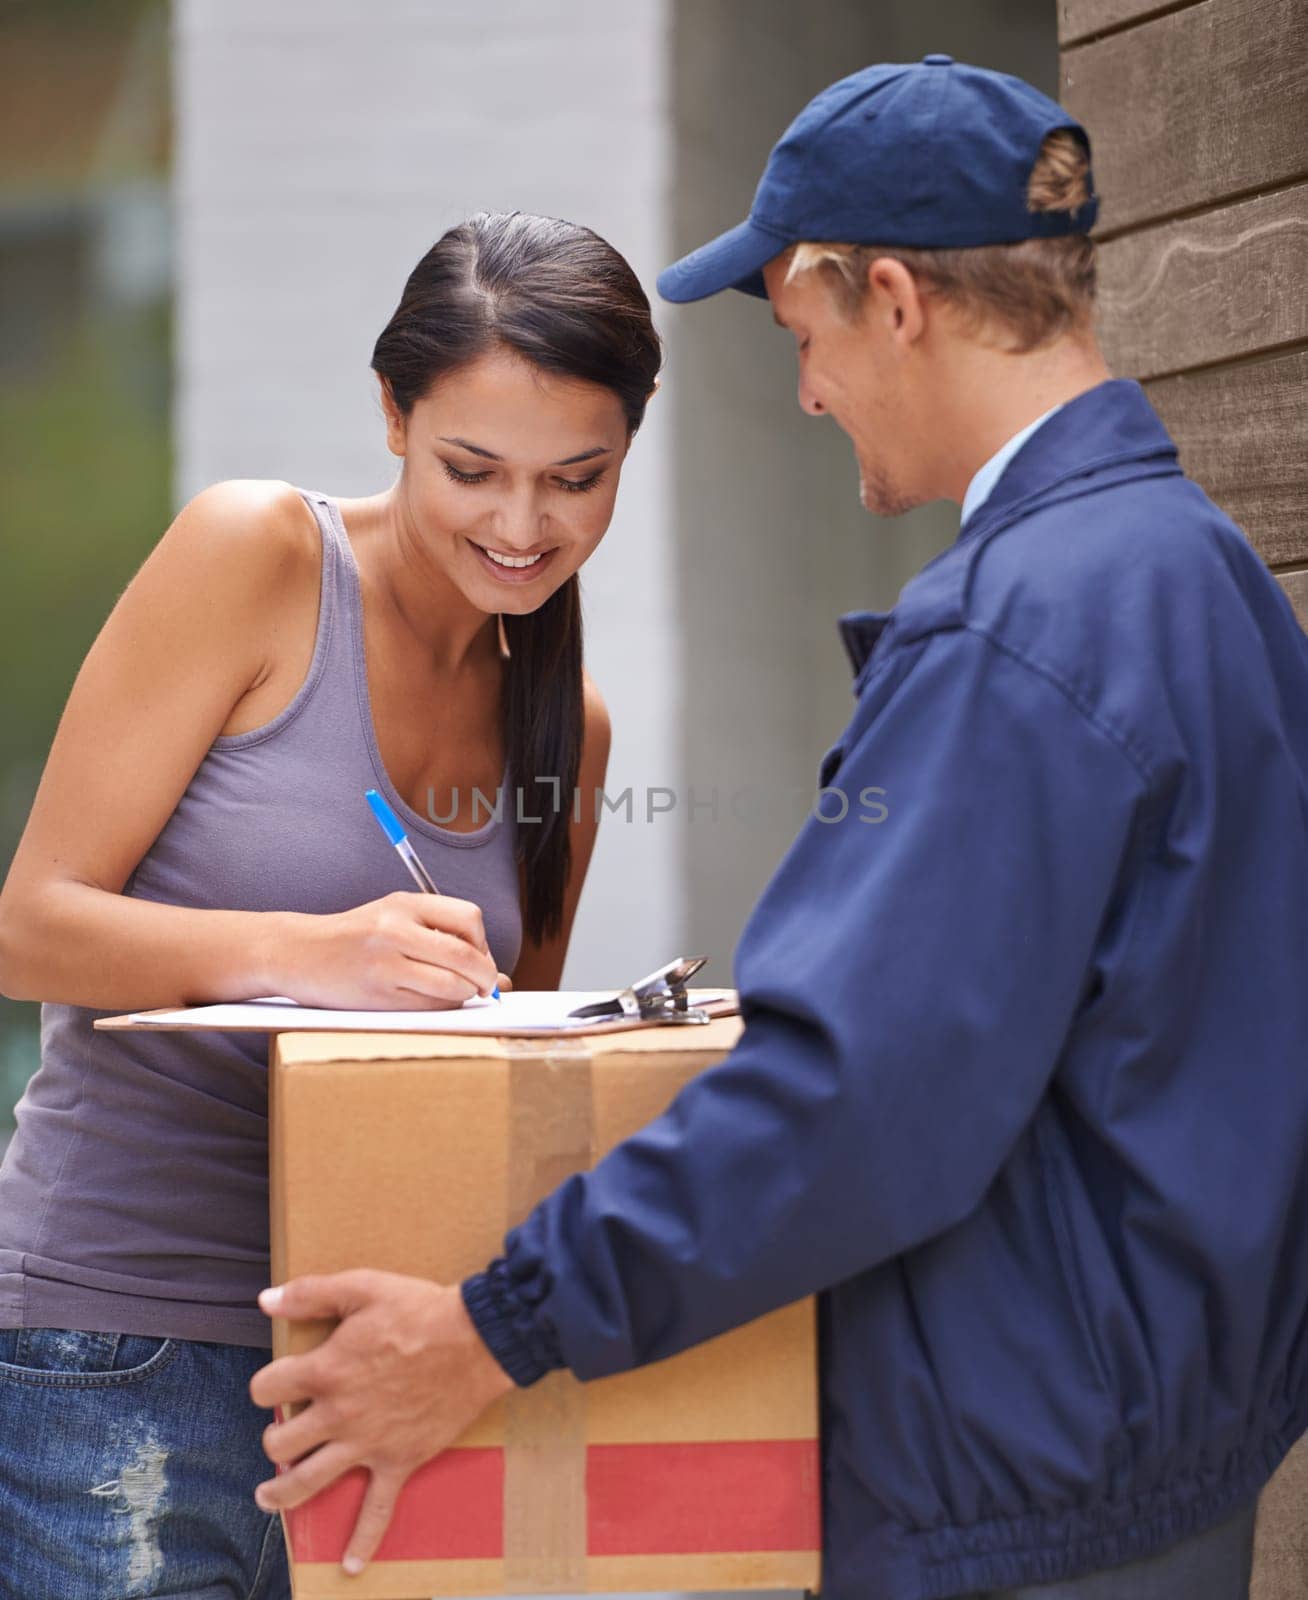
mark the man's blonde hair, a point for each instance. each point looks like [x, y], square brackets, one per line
[1031, 291]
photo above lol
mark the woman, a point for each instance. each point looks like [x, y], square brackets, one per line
[200, 833]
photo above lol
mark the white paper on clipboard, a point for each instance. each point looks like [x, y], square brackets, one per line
[545, 1011]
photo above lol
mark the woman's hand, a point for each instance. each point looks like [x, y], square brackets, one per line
[408, 951]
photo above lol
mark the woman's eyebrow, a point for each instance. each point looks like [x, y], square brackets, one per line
[477, 450]
[586, 455]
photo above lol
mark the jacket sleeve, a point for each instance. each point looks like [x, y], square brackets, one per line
[908, 982]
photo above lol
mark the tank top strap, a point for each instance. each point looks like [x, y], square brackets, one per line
[340, 626]
[341, 585]
[336, 553]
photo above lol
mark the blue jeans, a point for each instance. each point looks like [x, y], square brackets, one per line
[1213, 1565]
[127, 1468]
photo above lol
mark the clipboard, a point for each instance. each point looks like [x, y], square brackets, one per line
[660, 999]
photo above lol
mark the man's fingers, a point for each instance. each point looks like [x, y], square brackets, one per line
[304, 1480]
[288, 1441]
[373, 1520]
[285, 1381]
[333, 1294]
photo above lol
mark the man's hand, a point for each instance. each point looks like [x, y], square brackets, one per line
[401, 1378]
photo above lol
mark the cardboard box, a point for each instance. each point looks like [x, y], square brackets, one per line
[414, 1153]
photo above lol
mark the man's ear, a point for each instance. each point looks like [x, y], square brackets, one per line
[893, 294]
[654, 390]
[396, 430]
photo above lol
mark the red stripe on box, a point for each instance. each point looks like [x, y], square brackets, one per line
[643, 1499]
[679, 1499]
[451, 1509]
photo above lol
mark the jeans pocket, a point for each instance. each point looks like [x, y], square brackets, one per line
[74, 1358]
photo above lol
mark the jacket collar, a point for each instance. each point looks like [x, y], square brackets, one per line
[1110, 434]
[1111, 425]
[859, 631]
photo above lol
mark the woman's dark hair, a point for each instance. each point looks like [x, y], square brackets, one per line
[558, 295]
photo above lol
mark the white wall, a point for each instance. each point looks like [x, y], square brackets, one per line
[323, 146]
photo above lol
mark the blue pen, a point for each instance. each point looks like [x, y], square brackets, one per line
[394, 831]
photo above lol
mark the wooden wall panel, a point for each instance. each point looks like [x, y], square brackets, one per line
[1194, 107]
[1240, 431]
[1210, 288]
[1082, 19]
[1198, 114]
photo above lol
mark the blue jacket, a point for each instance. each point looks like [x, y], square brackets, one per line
[1023, 1086]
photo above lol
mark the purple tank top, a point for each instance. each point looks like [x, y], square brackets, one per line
[134, 1194]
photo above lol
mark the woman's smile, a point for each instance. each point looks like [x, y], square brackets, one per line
[506, 567]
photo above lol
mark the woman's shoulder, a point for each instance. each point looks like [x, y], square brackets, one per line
[264, 519]
[240, 565]
[254, 546]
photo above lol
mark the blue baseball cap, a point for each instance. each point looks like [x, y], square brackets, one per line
[931, 155]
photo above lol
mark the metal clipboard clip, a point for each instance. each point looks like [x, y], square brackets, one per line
[660, 997]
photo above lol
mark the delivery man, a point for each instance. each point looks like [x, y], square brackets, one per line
[1022, 1092]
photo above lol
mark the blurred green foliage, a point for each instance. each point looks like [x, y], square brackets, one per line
[86, 466]
[85, 393]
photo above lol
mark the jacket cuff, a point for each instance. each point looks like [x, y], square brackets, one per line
[524, 1346]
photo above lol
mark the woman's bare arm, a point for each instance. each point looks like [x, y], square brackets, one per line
[540, 966]
[190, 634]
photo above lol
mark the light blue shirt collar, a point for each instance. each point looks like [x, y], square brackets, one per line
[989, 473]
